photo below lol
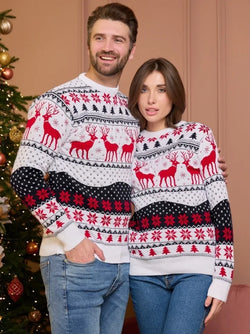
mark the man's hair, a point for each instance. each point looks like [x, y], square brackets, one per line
[116, 12]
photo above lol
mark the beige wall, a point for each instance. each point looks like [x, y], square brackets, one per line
[207, 40]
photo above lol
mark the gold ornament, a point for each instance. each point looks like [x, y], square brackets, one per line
[5, 27]
[15, 134]
[5, 58]
[34, 315]
[32, 248]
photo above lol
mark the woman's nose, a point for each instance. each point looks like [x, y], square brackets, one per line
[151, 97]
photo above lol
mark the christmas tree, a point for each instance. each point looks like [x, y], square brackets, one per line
[22, 300]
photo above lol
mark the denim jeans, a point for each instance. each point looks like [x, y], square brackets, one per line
[85, 298]
[170, 304]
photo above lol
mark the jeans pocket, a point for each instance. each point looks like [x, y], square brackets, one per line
[78, 264]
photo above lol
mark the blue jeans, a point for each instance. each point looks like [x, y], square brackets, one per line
[170, 304]
[85, 298]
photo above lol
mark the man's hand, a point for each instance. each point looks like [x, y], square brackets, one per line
[215, 308]
[222, 165]
[84, 252]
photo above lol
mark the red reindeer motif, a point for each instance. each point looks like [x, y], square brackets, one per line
[84, 146]
[143, 178]
[170, 172]
[50, 132]
[111, 148]
[194, 172]
[209, 161]
[32, 120]
[127, 149]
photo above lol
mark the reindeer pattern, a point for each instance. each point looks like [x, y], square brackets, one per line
[183, 156]
[89, 141]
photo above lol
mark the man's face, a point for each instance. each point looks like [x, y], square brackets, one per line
[109, 48]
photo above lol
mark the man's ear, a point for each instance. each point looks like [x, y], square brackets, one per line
[132, 52]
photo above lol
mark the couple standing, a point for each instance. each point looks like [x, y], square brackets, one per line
[86, 138]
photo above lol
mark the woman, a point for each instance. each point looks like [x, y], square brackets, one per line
[181, 234]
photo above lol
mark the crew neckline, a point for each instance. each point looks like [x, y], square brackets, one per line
[160, 132]
[92, 83]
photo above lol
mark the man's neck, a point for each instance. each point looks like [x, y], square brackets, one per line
[109, 81]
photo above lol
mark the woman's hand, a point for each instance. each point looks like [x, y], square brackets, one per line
[215, 308]
[222, 165]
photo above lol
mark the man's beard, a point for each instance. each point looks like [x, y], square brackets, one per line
[108, 71]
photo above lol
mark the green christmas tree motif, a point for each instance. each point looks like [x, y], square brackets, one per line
[22, 301]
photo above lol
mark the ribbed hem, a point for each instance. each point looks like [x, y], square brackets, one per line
[173, 265]
[113, 254]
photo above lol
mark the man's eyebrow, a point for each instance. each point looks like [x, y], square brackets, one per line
[114, 36]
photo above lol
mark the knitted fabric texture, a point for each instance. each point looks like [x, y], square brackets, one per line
[73, 168]
[182, 221]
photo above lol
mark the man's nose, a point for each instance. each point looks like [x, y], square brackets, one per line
[108, 45]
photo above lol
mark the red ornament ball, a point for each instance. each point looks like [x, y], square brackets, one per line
[15, 289]
[32, 248]
[7, 73]
[2, 159]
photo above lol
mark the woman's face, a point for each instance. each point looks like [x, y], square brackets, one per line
[153, 101]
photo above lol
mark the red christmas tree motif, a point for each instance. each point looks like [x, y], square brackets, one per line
[99, 236]
[87, 234]
[165, 250]
[207, 249]
[120, 238]
[59, 224]
[110, 238]
[194, 249]
[179, 249]
[152, 252]
[223, 272]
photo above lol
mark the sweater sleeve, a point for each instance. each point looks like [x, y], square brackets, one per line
[221, 218]
[46, 130]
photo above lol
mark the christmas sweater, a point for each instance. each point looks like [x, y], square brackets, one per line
[73, 167]
[182, 221]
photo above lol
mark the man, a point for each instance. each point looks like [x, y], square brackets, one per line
[82, 136]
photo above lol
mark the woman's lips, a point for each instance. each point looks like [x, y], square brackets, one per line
[151, 111]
